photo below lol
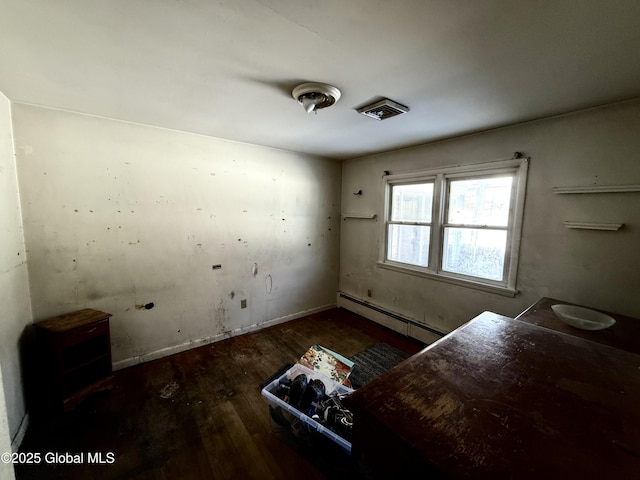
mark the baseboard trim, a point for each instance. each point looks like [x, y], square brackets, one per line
[165, 352]
[20, 433]
[395, 321]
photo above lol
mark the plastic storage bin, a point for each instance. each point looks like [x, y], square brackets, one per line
[331, 388]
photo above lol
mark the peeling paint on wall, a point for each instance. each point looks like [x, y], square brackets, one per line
[220, 318]
[178, 218]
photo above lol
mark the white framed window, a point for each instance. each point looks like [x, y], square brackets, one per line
[458, 224]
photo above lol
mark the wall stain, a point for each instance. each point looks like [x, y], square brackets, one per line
[146, 306]
[220, 320]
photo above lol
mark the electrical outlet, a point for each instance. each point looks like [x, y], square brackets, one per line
[368, 293]
[243, 303]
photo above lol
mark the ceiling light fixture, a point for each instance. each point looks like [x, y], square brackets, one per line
[314, 96]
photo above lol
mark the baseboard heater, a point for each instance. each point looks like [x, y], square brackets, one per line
[391, 314]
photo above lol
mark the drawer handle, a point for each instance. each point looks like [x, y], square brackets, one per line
[92, 330]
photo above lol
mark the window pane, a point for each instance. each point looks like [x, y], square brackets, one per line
[480, 201]
[412, 203]
[409, 244]
[474, 252]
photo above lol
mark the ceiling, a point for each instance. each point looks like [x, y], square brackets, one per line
[226, 68]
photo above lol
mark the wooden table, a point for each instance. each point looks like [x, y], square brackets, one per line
[624, 334]
[501, 398]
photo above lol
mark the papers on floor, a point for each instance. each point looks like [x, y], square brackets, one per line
[329, 363]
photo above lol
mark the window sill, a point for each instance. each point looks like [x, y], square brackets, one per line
[499, 290]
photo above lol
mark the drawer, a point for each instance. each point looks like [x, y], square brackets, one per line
[86, 332]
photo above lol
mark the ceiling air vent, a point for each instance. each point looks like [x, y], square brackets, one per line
[383, 109]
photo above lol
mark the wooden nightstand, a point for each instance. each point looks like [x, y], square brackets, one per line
[76, 349]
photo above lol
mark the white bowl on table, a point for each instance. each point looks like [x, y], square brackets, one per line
[581, 317]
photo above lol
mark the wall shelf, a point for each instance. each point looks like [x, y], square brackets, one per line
[593, 226]
[368, 216]
[598, 189]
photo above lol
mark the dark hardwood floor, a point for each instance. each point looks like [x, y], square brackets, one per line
[199, 414]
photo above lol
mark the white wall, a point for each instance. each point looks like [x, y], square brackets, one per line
[16, 309]
[593, 268]
[6, 469]
[118, 215]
